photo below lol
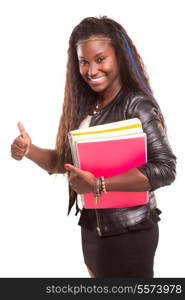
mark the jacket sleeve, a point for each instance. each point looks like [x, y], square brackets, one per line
[160, 168]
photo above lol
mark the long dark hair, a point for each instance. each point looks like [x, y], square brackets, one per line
[78, 96]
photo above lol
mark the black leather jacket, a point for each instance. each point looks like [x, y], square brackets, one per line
[160, 168]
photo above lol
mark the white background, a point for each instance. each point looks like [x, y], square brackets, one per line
[37, 238]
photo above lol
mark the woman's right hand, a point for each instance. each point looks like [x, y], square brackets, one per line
[21, 145]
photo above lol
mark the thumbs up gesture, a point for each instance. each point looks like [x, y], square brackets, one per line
[80, 181]
[21, 145]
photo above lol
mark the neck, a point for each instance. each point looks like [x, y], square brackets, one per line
[107, 96]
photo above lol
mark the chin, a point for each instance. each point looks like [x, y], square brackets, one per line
[98, 88]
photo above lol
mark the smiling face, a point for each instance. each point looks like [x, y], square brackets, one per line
[98, 65]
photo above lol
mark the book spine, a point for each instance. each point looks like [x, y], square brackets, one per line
[73, 150]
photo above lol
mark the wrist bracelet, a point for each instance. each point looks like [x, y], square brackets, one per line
[98, 187]
[103, 187]
[97, 192]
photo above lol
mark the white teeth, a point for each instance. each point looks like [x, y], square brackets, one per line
[97, 79]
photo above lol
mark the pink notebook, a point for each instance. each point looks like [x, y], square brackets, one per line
[111, 157]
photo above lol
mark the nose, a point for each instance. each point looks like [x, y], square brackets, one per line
[93, 70]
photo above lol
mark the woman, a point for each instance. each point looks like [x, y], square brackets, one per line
[106, 82]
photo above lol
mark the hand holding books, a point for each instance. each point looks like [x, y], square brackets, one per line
[85, 182]
[80, 181]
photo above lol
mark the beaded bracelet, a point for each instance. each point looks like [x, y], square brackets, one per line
[99, 187]
[103, 187]
[97, 192]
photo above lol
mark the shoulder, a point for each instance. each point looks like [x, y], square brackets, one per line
[141, 106]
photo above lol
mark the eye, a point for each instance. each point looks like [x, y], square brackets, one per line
[83, 62]
[101, 59]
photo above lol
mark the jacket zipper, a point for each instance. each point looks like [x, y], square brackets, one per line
[98, 223]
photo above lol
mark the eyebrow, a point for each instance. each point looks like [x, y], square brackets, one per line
[100, 53]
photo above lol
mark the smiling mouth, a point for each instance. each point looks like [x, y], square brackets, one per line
[96, 79]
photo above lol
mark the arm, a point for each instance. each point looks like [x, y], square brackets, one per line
[131, 181]
[44, 158]
[160, 169]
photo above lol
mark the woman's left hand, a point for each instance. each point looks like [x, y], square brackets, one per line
[80, 181]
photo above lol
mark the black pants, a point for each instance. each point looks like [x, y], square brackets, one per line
[127, 255]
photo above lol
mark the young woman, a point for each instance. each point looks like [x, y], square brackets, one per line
[106, 82]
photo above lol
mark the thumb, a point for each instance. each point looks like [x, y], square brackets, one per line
[21, 129]
[70, 167]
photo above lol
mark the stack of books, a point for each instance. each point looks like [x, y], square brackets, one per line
[108, 150]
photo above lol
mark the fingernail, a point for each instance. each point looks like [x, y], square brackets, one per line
[66, 166]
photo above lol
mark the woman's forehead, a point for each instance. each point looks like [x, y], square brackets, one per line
[93, 47]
